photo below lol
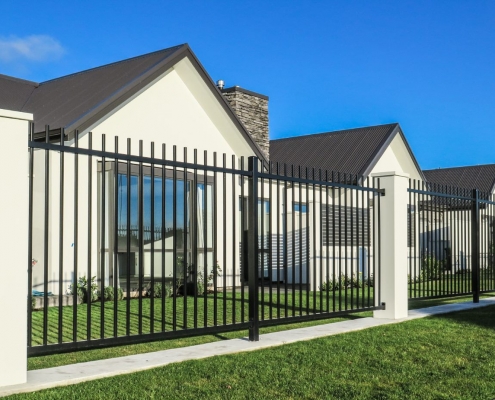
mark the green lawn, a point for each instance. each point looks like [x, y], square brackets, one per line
[450, 284]
[442, 357]
[99, 354]
[236, 310]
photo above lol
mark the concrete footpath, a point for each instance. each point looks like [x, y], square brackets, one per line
[76, 373]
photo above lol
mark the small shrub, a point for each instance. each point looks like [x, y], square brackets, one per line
[108, 294]
[159, 290]
[346, 282]
[214, 271]
[200, 284]
[81, 286]
[328, 286]
[430, 268]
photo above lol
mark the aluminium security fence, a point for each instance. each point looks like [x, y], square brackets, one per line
[451, 241]
[127, 246]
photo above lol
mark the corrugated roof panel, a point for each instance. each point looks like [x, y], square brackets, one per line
[481, 177]
[349, 151]
[61, 101]
[14, 92]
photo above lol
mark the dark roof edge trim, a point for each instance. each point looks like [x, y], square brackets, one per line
[242, 90]
[19, 80]
[383, 146]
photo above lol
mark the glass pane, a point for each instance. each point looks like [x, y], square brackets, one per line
[205, 215]
[158, 199]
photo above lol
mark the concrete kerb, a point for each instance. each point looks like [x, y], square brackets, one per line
[77, 373]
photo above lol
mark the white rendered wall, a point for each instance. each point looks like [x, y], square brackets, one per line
[14, 128]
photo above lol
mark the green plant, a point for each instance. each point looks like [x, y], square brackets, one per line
[215, 271]
[159, 290]
[108, 294]
[81, 287]
[200, 284]
[346, 282]
[430, 268]
[33, 303]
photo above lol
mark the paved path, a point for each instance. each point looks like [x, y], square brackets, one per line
[76, 373]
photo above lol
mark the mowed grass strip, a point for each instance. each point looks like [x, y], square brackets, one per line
[126, 350]
[189, 312]
[449, 356]
[449, 285]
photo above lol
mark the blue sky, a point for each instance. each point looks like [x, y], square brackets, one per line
[326, 65]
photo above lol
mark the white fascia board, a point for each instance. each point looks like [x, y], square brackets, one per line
[15, 115]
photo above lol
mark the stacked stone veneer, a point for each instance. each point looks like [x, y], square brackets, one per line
[252, 110]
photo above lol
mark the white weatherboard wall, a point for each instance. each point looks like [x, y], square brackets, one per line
[393, 245]
[14, 128]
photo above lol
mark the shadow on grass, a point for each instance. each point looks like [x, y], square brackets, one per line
[483, 317]
[424, 303]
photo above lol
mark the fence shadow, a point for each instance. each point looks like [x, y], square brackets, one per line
[483, 317]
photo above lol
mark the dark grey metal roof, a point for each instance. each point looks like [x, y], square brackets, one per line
[354, 151]
[61, 102]
[77, 101]
[14, 93]
[481, 177]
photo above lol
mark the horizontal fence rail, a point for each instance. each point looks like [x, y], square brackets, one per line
[130, 244]
[451, 234]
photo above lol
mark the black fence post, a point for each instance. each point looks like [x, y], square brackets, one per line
[252, 261]
[475, 246]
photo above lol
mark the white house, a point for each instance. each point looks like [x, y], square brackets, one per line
[168, 97]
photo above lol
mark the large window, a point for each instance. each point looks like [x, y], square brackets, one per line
[170, 215]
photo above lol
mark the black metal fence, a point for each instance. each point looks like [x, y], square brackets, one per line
[127, 247]
[451, 244]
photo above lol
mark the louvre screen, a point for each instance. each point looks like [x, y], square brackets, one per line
[345, 226]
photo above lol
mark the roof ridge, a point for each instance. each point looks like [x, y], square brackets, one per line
[340, 131]
[114, 63]
[459, 167]
[13, 78]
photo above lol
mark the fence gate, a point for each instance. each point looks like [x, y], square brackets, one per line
[131, 244]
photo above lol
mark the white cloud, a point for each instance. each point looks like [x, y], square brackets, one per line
[30, 48]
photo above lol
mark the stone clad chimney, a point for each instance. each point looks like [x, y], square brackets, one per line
[252, 110]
